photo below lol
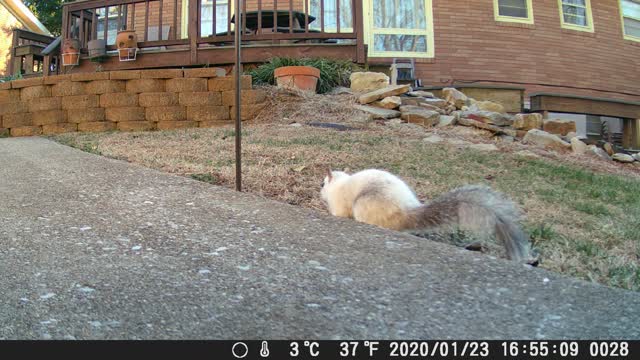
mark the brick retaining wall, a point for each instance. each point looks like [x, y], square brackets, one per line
[132, 100]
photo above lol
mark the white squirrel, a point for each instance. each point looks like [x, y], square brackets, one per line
[380, 198]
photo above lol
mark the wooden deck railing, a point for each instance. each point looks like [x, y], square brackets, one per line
[26, 57]
[204, 25]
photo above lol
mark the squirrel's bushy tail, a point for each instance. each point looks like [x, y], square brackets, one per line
[477, 209]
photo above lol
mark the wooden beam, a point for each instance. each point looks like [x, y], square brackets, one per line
[223, 55]
[584, 105]
[631, 134]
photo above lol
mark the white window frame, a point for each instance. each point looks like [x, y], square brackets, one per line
[371, 31]
[622, 19]
[588, 15]
[514, 19]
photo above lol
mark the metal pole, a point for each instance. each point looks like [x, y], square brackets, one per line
[238, 43]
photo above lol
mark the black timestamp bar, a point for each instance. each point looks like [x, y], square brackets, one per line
[343, 349]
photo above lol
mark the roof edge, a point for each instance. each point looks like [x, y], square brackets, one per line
[25, 16]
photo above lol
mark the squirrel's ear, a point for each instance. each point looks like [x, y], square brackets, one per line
[329, 175]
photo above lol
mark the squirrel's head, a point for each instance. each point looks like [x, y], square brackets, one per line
[331, 178]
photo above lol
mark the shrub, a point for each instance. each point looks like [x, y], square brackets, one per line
[10, 78]
[333, 73]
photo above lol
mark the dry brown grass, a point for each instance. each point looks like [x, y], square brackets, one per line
[581, 212]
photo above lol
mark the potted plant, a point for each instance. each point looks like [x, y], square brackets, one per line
[70, 52]
[97, 50]
[127, 43]
[297, 77]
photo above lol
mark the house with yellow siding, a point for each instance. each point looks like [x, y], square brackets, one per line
[15, 15]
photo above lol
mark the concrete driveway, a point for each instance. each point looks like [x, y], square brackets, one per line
[94, 248]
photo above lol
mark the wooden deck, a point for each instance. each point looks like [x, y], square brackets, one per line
[628, 111]
[167, 37]
[26, 55]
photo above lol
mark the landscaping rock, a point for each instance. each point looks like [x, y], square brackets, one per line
[559, 127]
[383, 93]
[489, 117]
[484, 147]
[378, 113]
[528, 121]
[433, 139]
[545, 140]
[449, 109]
[636, 156]
[391, 102]
[608, 148]
[598, 152]
[507, 138]
[420, 93]
[487, 106]
[480, 125]
[419, 115]
[436, 102]
[368, 81]
[412, 101]
[433, 108]
[578, 146]
[571, 135]
[447, 120]
[455, 97]
[624, 158]
[527, 153]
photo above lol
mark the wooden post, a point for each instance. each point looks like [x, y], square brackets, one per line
[28, 64]
[194, 24]
[631, 134]
[13, 59]
[46, 67]
[361, 51]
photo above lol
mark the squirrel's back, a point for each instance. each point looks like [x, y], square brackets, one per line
[380, 198]
[371, 196]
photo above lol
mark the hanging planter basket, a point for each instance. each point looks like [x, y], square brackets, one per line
[128, 54]
[127, 43]
[69, 59]
[71, 52]
[97, 48]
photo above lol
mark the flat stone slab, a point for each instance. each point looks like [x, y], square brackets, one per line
[95, 248]
[392, 90]
[378, 113]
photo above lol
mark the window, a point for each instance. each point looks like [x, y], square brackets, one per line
[221, 13]
[630, 13]
[576, 14]
[400, 28]
[331, 16]
[520, 11]
[112, 23]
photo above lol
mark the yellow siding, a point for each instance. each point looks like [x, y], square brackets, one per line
[7, 23]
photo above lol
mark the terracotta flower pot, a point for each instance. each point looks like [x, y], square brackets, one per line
[127, 44]
[127, 39]
[297, 77]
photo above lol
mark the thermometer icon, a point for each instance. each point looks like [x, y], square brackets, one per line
[264, 351]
